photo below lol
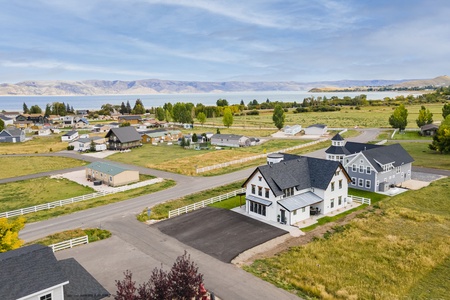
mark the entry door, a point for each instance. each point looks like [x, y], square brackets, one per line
[283, 216]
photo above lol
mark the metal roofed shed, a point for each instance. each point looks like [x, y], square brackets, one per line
[111, 174]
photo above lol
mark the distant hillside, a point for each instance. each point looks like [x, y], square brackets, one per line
[435, 82]
[154, 86]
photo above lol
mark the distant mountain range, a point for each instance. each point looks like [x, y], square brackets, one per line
[155, 86]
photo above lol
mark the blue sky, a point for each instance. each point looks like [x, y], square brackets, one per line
[251, 40]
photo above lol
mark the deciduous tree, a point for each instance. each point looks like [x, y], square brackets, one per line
[2, 125]
[446, 110]
[278, 116]
[201, 117]
[9, 233]
[425, 117]
[399, 119]
[35, 109]
[227, 117]
[138, 108]
[441, 140]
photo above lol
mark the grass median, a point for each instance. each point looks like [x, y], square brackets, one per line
[94, 234]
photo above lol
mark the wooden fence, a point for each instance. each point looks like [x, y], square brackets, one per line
[70, 243]
[242, 160]
[361, 200]
[201, 204]
[58, 203]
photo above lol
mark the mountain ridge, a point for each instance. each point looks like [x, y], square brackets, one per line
[155, 86]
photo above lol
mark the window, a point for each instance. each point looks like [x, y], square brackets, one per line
[337, 172]
[399, 169]
[332, 186]
[267, 193]
[332, 203]
[46, 297]
[253, 189]
[339, 200]
[377, 183]
[110, 178]
[303, 209]
[260, 191]
[295, 212]
[340, 184]
[257, 208]
[353, 180]
[368, 184]
[288, 192]
[259, 178]
[354, 167]
[360, 182]
[368, 170]
[361, 161]
[361, 169]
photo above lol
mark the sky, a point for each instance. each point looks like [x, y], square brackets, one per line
[223, 40]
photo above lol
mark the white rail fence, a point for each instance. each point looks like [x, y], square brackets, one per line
[201, 204]
[242, 160]
[70, 243]
[58, 203]
[361, 200]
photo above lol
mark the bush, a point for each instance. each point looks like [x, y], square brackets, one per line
[253, 113]
[70, 147]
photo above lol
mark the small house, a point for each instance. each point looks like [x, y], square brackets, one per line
[7, 121]
[12, 135]
[111, 174]
[316, 129]
[70, 136]
[230, 140]
[292, 130]
[84, 144]
[133, 120]
[428, 129]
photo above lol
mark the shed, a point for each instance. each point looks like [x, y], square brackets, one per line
[111, 174]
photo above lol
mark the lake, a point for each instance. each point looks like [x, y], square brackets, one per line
[15, 103]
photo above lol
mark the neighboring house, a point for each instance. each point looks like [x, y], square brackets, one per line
[292, 130]
[70, 136]
[34, 118]
[12, 135]
[316, 129]
[101, 128]
[133, 120]
[33, 273]
[81, 122]
[292, 188]
[160, 135]
[110, 174]
[84, 144]
[230, 140]
[46, 130]
[7, 120]
[123, 138]
[68, 121]
[114, 125]
[371, 167]
[429, 129]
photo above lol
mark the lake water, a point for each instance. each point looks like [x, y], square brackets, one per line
[15, 103]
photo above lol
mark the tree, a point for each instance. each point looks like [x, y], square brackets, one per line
[123, 108]
[9, 233]
[222, 102]
[399, 119]
[2, 125]
[446, 110]
[227, 117]
[138, 108]
[195, 138]
[35, 109]
[425, 117]
[441, 140]
[125, 124]
[48, 110]
[128, 107]
[25, 108]
[92, 146]
[159, 114]
[278, 116]
[182, 283]
[201, 117]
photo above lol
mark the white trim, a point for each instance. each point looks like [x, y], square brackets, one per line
[42, 292]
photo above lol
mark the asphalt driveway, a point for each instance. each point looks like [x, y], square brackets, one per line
[221, 233]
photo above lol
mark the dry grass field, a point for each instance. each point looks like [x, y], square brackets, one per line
[400, 250]
[42, 144]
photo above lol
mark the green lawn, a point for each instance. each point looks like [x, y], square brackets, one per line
[424, 157]
[25, 165]
[94, 234]
[399, 251]
[411, 135]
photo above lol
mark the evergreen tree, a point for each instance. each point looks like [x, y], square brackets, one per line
[278, 116]
[399, 119]
[425, 117]
[138, 108]
[128, 107]
[160, 114]
[123, 108]
[48, 110]
[25, 108]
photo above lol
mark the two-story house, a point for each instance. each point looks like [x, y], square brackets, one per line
[123, 138]
[371, 167]
[291, 188]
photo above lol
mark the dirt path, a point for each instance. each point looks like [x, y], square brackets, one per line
[283, 243]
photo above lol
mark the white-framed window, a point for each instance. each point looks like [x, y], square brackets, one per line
[361, 169]
[367, 170]
[260, 191]
[259, 178]
[399, 169]
[332, 186]
[267, 193]
[110, 178]
[360, 182]
[340, 184]
[288, 192]
[257, 208]
[368, 183]
[295, 212]
[46, 297]
[353, 180]
[337, 172]
[332, 203]
[354, 168]
[303, 209]
[340, 200]
[253, 189]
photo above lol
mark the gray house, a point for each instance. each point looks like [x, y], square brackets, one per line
[33, 273]
[123, 138]
[230, 140]
[12, 135]
[371, 167]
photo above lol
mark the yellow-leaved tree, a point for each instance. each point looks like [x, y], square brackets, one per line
[9, 233]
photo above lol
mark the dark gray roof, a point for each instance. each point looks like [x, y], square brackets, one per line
[394, 154]
[130, 117]
[350, 148]
[301, 173]
[337, 137]
[5, 118]
[429, 126]
[82, 285]
[125, 134]
[14, 132]
[28, 270]
[69, 133]
[230, 137]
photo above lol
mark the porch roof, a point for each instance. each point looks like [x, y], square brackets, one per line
[299, 201]
[259, 200]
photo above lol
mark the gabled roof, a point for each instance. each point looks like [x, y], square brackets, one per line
[107, 168]
[13, 132]
[70, 133]
[299, 201]
[322, 126]
[28, 270]
[428, 127]
[394, 154]
[5, 118]
[301, 173]
[125, 134]
[350, 148]
[230, 137]
[130, 117]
